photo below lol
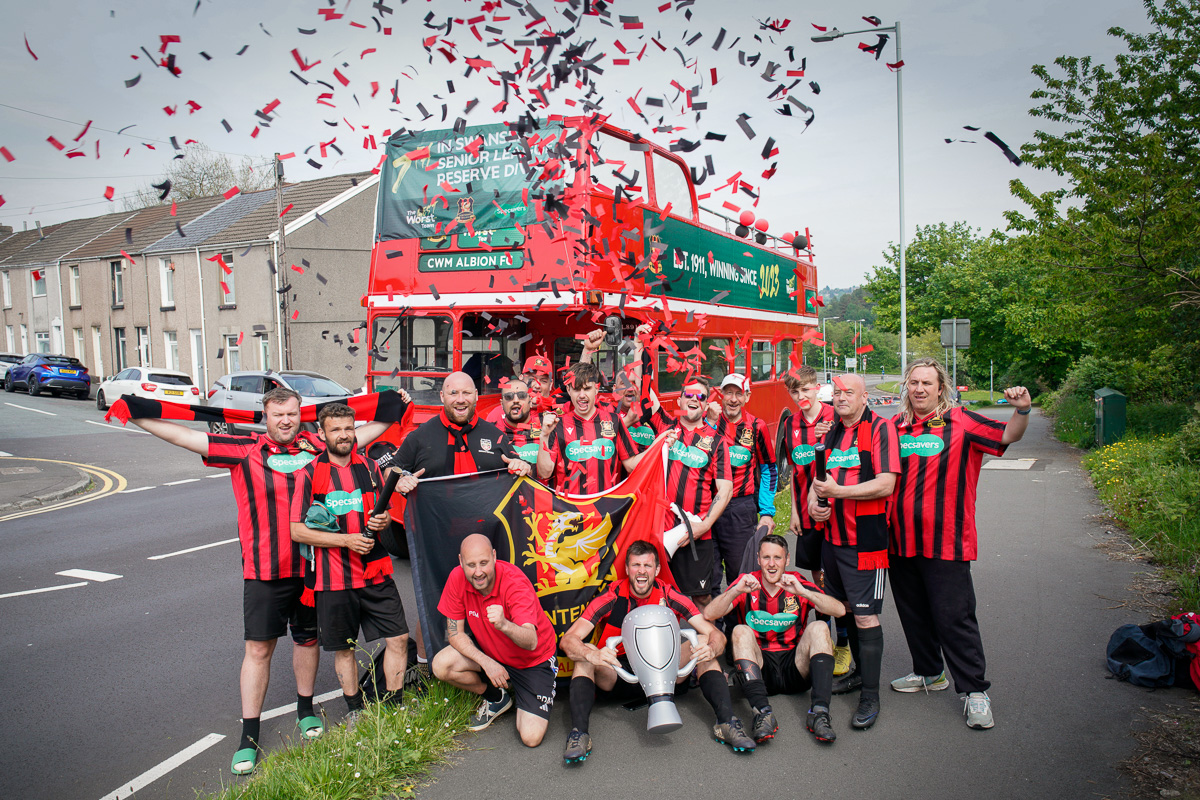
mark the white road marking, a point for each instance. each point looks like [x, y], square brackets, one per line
[290, 708]
[88, 575]
[5, 455]
[220, 475]
[39, 591]
[1008, 463]
[185, 480]
[191, 549]
[35, 410]
[139, 489]
[117, 428]
[154, 773]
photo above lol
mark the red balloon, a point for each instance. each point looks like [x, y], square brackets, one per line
[787, 237]
[747, 218]
[761, 225]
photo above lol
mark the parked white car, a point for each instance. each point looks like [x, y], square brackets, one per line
[7, 360]
[148, 382]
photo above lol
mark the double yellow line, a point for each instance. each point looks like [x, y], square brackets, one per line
[109, 482]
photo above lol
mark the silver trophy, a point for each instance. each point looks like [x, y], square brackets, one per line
[651, 638]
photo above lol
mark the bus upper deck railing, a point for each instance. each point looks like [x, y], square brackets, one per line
[730, 226]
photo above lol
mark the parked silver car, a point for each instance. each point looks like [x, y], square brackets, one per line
[244, 391]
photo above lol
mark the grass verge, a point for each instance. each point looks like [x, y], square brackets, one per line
[389, 751]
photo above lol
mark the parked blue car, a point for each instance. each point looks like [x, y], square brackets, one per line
[55, 374]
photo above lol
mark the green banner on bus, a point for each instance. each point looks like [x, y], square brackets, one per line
[435, 178]
[703, 266]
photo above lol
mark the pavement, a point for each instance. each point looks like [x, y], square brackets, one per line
[26, 482]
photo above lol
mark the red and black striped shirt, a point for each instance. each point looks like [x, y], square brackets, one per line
[750, 447]
[525, 438]
[339, 568]
[696, 461]
[843, 466]
[607, 610]
[264, 475]
[934, 504]
[799, 436]
[763, 612]
[588, 453]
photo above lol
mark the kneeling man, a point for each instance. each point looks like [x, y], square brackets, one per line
[775, 648]
[594, 666]
[510, 650]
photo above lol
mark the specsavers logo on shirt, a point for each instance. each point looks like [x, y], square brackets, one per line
[690, 456]
[763, 622]
[738, 456]
[803, 454]
[341, 503]
[527, 452]
[600, 449]
[924, 446]
[642, 434]
[844, 458]
[288, 463]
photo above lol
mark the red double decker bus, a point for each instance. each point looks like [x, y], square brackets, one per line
[494, 243]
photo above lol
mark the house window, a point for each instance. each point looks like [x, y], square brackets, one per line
[228, 289]
[24, 339]
[119, 345]
[171, 348]
[166, 279]
[264, 351]
[118, 283]
[233, 353]
[79, 353]
[7, 285]
[143, 346]
[75, 288]
[39, 283]
[43, 341]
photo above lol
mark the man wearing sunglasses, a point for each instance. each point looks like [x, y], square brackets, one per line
[522, 430]
[699, 483]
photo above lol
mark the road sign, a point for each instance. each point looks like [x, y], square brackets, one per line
[851, 363]
[956, 333]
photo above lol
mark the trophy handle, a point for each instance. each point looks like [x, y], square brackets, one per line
[628, 677]
[690, 635]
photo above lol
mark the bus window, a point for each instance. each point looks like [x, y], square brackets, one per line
[672, 380]
[619, 160]
[671, 187]
[608, 360]
[716, 365]
[490, 350]
[783, 358]
[761, 359]
[412, 344]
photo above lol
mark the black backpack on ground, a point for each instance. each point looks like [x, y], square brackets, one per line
[1158, 654]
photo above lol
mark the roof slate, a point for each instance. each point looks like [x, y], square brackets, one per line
[208, 225]
[147, 226]
[61, 240]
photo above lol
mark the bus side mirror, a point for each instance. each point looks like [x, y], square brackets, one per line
[612, 330]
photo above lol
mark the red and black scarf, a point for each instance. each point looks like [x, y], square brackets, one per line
[385, 406]
[375, 563]
[464, 462]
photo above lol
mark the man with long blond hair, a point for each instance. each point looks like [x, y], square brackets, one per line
[934, 539]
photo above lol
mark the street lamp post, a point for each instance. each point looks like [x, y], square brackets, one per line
[836, 34]
[858, 323]
[824, 344]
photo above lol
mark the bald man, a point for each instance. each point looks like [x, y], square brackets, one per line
[509, 654]
[863, 461]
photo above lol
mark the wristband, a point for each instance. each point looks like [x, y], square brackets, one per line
[1024, 412]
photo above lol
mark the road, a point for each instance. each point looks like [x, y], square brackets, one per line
[106, 680]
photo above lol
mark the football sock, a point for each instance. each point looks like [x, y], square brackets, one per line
[753, 685]
[821, 671]
[716, 692]
[491, 693]
[583, 697]
[871, 645]
[354, 702]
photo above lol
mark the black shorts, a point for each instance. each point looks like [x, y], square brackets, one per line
[780, 674]
[376, 609]
[861, 588]
[808, 548]
[532, 688]
[270, 607]
[623, 691]
[732, 531]
[694, 578]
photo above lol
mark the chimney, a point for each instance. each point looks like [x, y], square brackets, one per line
[39, 227]
[5, 229]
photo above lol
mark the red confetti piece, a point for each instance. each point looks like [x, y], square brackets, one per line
[30, 49]
[341, 78]
[866, 348]
[85, 130]
[169, 110]
[241, 336]
[193, 106]
[289, 208]
[7, 155]
[108, 193]
[231, 192]
[56, 143]
[128, 257]
[297, 269]
[296, 314]
[173, 208]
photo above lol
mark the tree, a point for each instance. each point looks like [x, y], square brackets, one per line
[202, 172]
[1121, 236]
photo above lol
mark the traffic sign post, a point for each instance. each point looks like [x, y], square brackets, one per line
[956, 334]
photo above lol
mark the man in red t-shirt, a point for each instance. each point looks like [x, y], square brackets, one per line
[774, 647]
[863, 462]
[934, 539]
[352, 569]
[264, 468]
[510, 652]
[594, 666]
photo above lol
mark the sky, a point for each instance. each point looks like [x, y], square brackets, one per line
[966, 62]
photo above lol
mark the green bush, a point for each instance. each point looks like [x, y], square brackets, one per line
[1149, 419]
[1189, 442]
[1074, 420]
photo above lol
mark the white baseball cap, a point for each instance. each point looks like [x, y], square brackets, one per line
[733, 379]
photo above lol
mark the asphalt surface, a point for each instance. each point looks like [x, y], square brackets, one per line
[107, 679]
